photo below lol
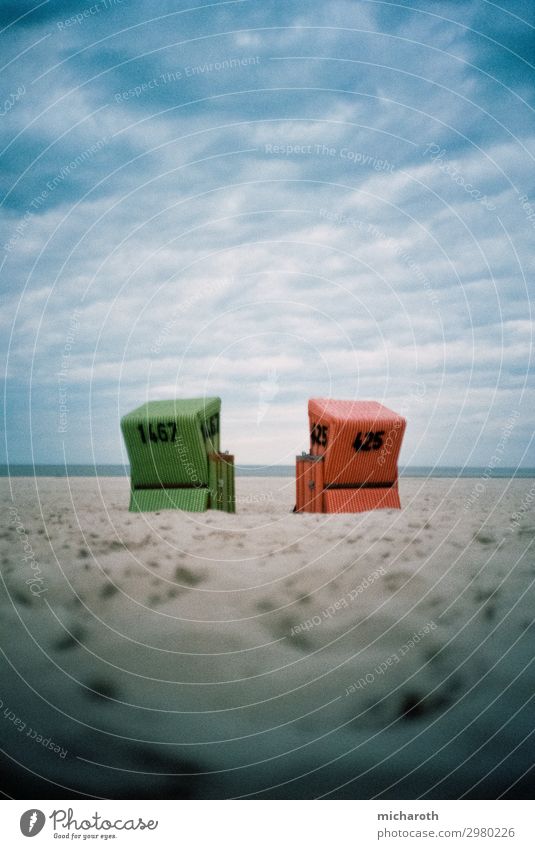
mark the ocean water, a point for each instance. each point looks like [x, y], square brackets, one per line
[118, 470]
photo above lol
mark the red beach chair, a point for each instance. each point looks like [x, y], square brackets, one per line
[353, 461]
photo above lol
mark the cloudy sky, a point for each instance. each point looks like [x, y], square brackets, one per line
[268, 201]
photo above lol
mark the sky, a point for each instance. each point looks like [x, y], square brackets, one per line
[268, 201]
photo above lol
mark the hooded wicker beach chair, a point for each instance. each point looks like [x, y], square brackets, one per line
[353, 461]
[175, 461]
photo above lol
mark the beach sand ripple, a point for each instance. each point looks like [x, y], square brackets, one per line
[267, 654]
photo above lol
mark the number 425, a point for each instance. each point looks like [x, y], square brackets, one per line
[370, 441]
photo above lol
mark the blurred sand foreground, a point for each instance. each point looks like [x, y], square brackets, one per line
[266, 654]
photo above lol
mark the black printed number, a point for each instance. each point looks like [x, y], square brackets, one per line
[211, 426]
[318, 435]
[157, 433]
[370, 441]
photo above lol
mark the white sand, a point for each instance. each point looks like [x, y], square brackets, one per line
[188, 627]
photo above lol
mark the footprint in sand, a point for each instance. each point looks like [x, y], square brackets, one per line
[169, 777]
[100, 689]
[21, 598]
[299, 639]
[70, 640]
[185, 576]
[395, 580]
[414, 705]
[265, 605]
[483, 595]
[108, 590]
[489, 611]
[285, 626]
[483, 538]
[303, 600]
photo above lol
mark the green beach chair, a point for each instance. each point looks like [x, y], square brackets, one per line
[175, 461]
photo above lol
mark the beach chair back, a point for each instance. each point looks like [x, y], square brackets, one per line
[169, 445]
[357, 444]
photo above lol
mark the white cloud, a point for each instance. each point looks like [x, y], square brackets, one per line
[197, 268]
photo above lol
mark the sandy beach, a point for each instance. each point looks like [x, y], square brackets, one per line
[266, 654]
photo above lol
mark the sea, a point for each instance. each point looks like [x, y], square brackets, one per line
[83, 470]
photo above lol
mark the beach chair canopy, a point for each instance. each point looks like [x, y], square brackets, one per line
[357, 445]
[171, 445]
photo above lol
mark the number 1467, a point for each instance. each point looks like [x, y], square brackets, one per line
[157, 433]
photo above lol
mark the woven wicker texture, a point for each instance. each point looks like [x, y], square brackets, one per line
[309, 484]
[360, 440]
[146, 500]
[221, 474]
[168, 443]
[360, 500]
